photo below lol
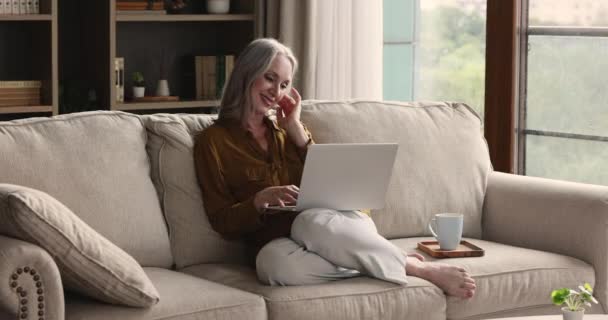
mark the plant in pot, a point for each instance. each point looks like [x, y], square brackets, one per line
[139, 85]
[574, 301]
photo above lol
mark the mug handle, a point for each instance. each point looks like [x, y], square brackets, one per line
[431, 223]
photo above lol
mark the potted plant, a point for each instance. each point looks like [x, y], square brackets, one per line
[574, 301]
[139, 85]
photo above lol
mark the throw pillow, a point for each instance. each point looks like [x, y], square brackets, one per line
[89, 263]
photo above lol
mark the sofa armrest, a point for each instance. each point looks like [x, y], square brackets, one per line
[30, 284]
[550, 215]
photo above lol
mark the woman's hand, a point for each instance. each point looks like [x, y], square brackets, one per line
[288, 117]
[288, 113]
[276, 196]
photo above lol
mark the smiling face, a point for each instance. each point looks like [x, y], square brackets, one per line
[271, 86]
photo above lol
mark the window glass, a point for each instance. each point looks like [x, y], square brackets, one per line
[567, 159]
[450, 52]
[567, 84]
[568, 13]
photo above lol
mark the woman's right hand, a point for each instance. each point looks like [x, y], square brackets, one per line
[276, 196]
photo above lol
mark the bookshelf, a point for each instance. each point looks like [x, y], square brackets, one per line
[30, 52]
[145, 40]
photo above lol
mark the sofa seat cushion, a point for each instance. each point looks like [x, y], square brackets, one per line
[510, 278]
[442, 163]
[355, 298]
[183, 297]
[96, 164]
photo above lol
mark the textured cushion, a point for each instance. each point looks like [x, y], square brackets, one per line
[184, 298]
[355, 298]
[96, 164]
[441, 166]
[88, 263]
[193, 241]
[510, 279]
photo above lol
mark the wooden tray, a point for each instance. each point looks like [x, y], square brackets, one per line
[465, 249]
[155, 98]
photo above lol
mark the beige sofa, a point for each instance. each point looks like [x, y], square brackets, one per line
[131, 178]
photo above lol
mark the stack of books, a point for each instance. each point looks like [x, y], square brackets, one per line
[211, 73]
[119, 78]
[19, 6]
[140, 7]
[19, 93]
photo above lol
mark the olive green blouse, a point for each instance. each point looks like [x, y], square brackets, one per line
[232, 167]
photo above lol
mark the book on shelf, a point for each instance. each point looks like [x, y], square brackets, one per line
[14, 102]
[16, 7]
[211, 73]
[19, 93]
[21, 84]
[140, 5]
[142, 12]
[119, 75]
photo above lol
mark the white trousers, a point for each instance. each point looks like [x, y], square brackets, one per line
[327, 245]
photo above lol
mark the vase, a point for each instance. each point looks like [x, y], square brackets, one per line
[572, 315]
[138, 92]
[218, 6]
[162, 89]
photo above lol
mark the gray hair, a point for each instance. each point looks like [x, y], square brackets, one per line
[250, 64]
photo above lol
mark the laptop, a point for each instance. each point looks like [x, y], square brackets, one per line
[345, 176]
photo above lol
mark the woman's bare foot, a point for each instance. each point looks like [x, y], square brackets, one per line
[454, 281]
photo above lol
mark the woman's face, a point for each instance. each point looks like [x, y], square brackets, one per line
[272, 85]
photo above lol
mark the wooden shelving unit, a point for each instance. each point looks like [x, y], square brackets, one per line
[184, 17]
[144, 41]
[29, 43]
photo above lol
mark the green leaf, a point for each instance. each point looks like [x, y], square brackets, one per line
[559, 296]
[588, 287]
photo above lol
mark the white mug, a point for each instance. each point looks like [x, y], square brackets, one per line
[447, 229]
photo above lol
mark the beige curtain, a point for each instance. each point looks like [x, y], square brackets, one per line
[338, 44]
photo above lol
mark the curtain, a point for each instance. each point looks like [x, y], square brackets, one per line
[337, 42]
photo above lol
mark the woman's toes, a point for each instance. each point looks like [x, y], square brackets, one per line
[416, 255]
[469, 286]
[469, 280]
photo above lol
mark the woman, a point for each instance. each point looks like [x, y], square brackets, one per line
[252, 157]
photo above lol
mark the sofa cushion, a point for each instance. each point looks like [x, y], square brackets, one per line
[510, 278]
[88, 263]
[96, 164]
[170, 143]
[355, 298]
[184, 297]
[442, 162]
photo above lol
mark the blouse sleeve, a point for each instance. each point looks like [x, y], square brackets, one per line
[230, 218]
[303, 150]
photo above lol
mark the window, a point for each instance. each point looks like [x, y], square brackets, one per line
[563, 130]
[435, 50]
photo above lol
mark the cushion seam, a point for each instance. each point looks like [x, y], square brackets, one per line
[269, 300]
[211, 309]
[93, 261]
[526, 270]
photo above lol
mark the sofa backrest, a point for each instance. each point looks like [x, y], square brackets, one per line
[441, 166]
[442, 163]
[96, 164]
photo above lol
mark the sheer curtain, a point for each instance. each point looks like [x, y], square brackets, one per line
[338, 44]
